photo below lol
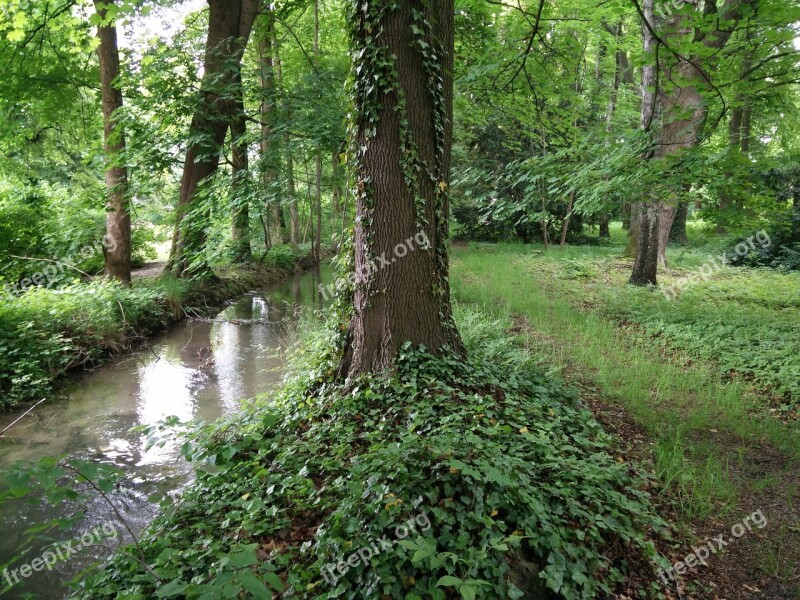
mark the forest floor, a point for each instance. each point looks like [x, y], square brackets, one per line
[699, 389]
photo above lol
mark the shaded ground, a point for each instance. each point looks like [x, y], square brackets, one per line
[762, 563]
[720, 456]
[149, 270]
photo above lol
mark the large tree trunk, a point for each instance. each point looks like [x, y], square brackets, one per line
[229, 25]
[404, 136]
[118, 217]
[680, 108]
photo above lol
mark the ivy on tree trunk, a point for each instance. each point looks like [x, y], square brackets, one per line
[403, 134]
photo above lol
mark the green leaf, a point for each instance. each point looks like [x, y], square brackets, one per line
[449, 581]
[253, 585]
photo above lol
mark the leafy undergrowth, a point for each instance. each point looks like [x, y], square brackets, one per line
[742, 320]
[482, 478]
[46, 332]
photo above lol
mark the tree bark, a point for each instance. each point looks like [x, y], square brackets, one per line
[404, 136]
[634, 208]
[277, 232]
[291, 189]
[679, 108]
[229, 25]
[118, 217]
[240, 230]
[646, 263]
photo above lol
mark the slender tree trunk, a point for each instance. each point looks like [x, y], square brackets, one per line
[229, 25]
[318, 206]
[240, 230]
[318, 157]
[734, 141]
[402, 200]
[294, 213]
[678, 233]
[336, 187]
[620, 66]
[640, 211]
[277, 232]
[565, 225]
[118, 217]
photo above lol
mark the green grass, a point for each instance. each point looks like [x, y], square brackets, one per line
[585, 318]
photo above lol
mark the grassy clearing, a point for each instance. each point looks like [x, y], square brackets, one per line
[586, 318]
[724, 439]
[296, 487]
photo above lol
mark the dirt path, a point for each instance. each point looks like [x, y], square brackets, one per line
[149, 270]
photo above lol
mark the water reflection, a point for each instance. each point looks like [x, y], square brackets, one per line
[199, 370]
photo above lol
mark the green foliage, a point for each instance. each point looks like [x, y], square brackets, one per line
[744, 322]
[283, 257]
[310, 477]
[44, 332]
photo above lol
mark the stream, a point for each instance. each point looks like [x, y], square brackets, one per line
[198, 370]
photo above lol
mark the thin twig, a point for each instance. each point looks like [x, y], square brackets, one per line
[18, 419]
[55, 262]
[119, 516]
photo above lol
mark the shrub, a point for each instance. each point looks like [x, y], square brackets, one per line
[513, 476]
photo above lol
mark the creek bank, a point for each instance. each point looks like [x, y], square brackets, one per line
[46, 334]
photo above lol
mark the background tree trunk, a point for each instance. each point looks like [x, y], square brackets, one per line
[291, 189]
[317, 252]
[409, 299]
[604, 230]
[118, 217]
[565, 224]
[229, 25]
[240, 230]
[277, 232]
